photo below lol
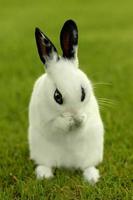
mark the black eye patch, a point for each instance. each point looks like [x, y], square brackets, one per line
[82, 94]
[58, 97]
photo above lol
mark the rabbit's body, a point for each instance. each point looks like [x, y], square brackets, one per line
[65, 127]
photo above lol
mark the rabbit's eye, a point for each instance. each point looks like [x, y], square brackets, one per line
[58, 97]
[82, 94]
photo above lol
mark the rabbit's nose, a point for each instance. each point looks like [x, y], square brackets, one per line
[70, 112]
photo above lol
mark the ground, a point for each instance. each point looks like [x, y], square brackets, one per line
[106, 55]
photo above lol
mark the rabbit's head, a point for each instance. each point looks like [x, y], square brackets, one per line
[67, 88]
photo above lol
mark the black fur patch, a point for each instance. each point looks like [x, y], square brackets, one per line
[69, 39]
[44, 45]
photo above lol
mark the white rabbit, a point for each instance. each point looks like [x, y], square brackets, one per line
[65, 127]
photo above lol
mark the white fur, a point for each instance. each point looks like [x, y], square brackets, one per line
[91, 174]
[43, 172]
[54, 139]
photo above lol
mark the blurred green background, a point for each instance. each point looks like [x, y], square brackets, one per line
[106, 55]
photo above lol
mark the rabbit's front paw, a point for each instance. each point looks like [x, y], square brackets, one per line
[43, 172]
[80, 120]
[68, 121]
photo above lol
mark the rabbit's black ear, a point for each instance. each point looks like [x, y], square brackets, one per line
[69, 39]
[46, 49]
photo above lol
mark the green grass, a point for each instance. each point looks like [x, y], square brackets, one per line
[106, 55]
